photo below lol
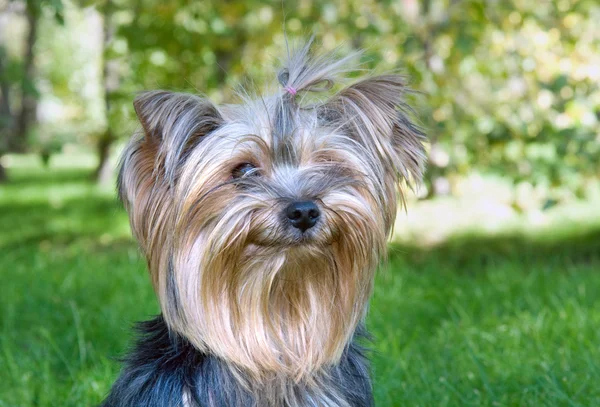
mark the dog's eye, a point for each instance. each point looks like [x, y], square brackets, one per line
[244, 170]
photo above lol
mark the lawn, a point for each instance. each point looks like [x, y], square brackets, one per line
[510, 320]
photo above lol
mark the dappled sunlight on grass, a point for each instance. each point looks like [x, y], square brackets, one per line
[492, 205]
[433, 222]
[51, 206]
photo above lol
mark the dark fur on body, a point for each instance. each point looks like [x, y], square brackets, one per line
[163, 368]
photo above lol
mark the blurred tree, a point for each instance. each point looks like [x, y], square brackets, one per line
[5, 111]
[110, 85]
[15, 125]
[29, 94]
[488, 104]
[507, 86]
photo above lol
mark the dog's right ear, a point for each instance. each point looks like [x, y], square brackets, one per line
[161, 114]
[173, 124]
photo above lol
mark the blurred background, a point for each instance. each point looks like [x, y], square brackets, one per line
[491, 295]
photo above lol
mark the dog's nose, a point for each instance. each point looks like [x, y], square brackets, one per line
[303, 215]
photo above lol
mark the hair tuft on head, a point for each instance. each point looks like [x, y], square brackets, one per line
[304, 71]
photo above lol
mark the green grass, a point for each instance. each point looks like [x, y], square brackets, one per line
[476, 321]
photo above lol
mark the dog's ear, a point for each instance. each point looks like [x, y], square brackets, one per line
[375, 113]
[161, 113]
[172, 124]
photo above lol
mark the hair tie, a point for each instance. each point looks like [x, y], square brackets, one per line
[292, 91]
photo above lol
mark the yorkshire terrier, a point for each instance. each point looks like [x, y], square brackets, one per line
[263, 224]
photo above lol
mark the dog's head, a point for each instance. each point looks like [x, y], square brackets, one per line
[263, 222]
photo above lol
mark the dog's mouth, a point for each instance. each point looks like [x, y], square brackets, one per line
[295, 243]
[305, 238]
[317, 236]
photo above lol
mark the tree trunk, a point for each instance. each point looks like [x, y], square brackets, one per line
[6, 120]
[223, 64]
[14, 126]
[110, 79]
[27, 115]
[103, 172]
[5, 111]
[45, 156]
[426, 32]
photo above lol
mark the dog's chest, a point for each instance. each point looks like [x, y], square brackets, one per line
[165, 370]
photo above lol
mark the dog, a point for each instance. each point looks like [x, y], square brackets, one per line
[263, 224]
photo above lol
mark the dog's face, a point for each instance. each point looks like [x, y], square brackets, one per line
[263, 222]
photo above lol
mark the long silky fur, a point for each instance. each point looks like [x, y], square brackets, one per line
[277, 308]
[164, 369]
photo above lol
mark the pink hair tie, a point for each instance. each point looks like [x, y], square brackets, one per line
[292, 91]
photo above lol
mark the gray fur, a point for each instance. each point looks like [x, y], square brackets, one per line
[163, 369]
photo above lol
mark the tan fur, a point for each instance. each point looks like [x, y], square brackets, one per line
[229, 274]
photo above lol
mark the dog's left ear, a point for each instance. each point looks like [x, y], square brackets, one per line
[376, 115]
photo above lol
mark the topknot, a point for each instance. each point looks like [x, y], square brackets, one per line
[303, 71]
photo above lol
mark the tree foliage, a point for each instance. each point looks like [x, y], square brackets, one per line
[504, 86]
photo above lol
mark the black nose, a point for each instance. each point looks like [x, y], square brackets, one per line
[303, 215]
